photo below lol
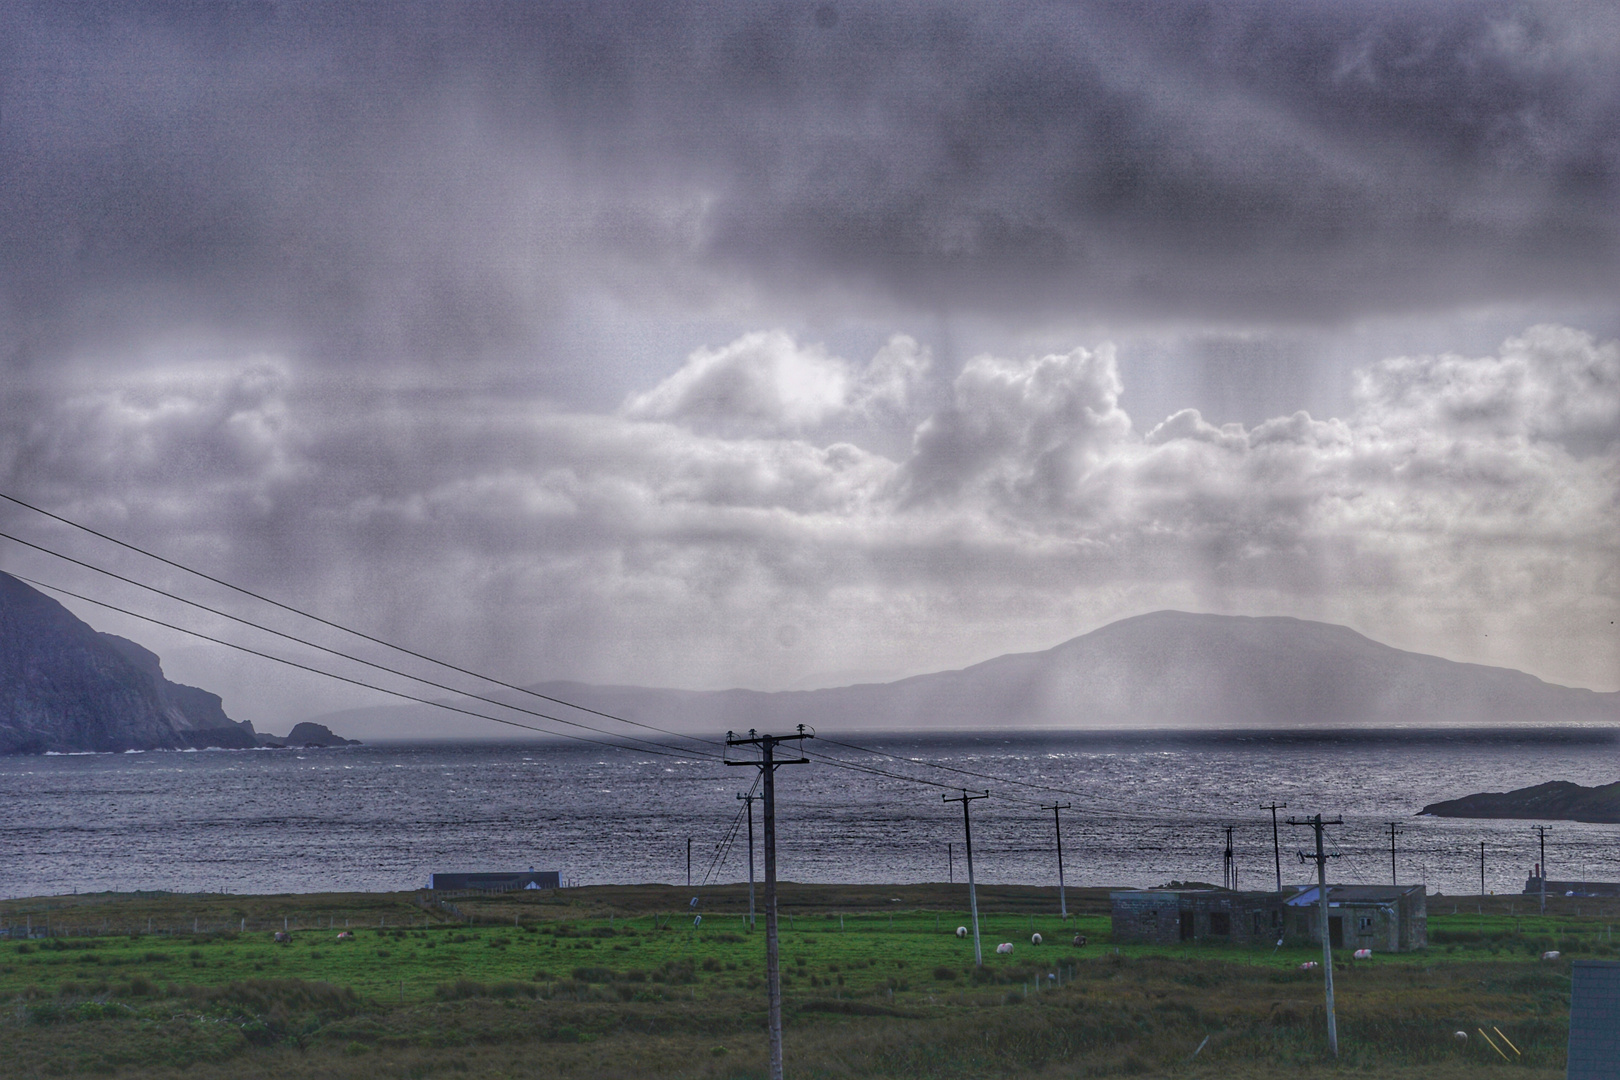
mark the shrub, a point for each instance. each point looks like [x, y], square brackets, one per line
[675, 971]
[944, 974]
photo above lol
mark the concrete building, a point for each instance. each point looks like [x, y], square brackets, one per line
[1169, 916]
[1384, 918]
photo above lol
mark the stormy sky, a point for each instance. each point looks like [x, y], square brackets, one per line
[786, 345]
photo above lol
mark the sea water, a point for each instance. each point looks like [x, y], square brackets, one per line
[1143, 809]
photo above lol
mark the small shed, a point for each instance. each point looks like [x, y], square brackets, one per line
[1384, 918]
[496, 882]
[1594, 1020]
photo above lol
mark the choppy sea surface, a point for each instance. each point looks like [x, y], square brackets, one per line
[1144, 809]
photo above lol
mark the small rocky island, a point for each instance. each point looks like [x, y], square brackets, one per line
[306, 735]
[1556, 800]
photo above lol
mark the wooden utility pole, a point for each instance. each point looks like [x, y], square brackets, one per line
[973, 896]
[767, 765]
[749, 799]
[1320, 858]
[1482, 877]
[1542, 829]
[688, 862]
[950, 863]
[1276, 846]
[1394, 831]
[1229, 878]
[1063, 902]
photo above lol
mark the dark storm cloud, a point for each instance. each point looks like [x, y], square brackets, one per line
[430, 181]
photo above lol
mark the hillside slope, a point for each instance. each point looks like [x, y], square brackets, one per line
[1167, 668]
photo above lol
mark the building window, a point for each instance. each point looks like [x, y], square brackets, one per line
[1366, 924]
[1220, 922]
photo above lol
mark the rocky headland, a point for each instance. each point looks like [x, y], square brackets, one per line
[1556, 800]
[67, 688]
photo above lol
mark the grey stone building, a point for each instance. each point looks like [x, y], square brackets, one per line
[1169, 916]
[1384, 918]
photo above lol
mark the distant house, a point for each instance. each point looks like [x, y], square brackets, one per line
[496, 882]
[1384, 918]
[1532, 887]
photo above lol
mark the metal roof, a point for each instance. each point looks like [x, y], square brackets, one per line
[1353, 894]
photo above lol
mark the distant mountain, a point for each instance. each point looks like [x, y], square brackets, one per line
[1557, 800]
[1168, 668]
[66, 688]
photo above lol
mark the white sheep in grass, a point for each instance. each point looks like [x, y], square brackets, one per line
[1034, 939]
[1309, 965]
[1363, 954]
[961, 931]
[1551, 954]
[1004, 948]
[1461, 1036]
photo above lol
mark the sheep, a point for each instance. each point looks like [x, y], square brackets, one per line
[344, 935]
[1034, 939]
[1309, 965]
[1079, 941]
[1461, 1036]
[1363, 954]
[1005, 948]
[282, 937]
[961, 931]
[1551, 954]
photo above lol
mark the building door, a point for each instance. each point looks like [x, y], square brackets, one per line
[1336, 931]
[1186, 926]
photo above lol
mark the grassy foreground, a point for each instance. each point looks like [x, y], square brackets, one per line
[621, 982]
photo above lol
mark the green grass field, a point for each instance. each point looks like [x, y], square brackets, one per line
[620, 982]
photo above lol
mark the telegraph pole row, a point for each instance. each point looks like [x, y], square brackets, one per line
[767, 765]
[973, 896]
[1320, 858]
[1063, 902]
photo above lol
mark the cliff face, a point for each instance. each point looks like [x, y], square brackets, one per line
[66, 688]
